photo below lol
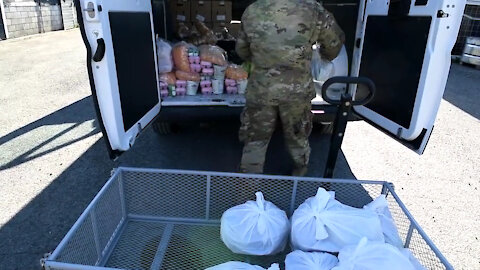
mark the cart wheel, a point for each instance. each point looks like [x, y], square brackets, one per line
[162, 128]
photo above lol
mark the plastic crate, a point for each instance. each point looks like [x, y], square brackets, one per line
[168, 219]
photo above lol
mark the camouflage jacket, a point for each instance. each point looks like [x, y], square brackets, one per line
[277, 37]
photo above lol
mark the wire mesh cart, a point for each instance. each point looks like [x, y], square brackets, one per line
[170, 219]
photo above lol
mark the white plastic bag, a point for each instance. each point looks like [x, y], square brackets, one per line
[322, 223]
[390, 231]
[164, 56]
[255, 228]
[369, 255]
[322, 69]
[299, 260]
[241, 266]
[416, 264]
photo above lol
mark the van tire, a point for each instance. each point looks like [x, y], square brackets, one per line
[162, 128]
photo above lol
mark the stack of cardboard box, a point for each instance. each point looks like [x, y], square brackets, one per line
[216, 14]
[180, 12]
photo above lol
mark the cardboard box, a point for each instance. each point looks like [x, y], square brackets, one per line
[221, 11]
[180, 10]
[201, 10]
[218, 27]
[191, 26]
[208, 24]
[233, 29]
[179, 23]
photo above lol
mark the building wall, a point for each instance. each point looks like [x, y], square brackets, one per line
[24, 18]
[68, 13]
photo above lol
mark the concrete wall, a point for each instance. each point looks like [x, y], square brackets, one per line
[69, 14]
[27, 18]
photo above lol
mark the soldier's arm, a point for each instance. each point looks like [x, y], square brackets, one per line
[330, 36]
[243, 46]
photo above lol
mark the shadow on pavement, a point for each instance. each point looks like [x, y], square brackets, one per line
[463, 89]
[77, 114]
[42, 223]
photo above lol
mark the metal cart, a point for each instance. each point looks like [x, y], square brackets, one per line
[169, 219]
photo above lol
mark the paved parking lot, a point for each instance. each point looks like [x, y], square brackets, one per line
[53, 159]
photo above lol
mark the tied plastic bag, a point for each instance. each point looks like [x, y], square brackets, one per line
[206, 35]
[322, 69]
[322, 223]
[213, 54]
[299, 260]
[180, 56]
[164, 56]
[390, 231]
[187, 76]
[255, 228]
[168, 78]
[241, 266]
[367, 255]
[236, 72]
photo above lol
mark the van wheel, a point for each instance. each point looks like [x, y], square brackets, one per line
[162, 128]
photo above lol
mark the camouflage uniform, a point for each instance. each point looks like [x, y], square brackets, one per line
[277, 38]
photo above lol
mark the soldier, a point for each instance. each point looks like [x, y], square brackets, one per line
[277, 37]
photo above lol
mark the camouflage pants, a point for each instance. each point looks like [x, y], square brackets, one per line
[258, 125]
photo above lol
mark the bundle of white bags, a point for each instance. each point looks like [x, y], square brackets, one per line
[255, 228]
[365, 238]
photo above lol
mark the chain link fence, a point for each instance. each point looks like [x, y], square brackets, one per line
[470, 27]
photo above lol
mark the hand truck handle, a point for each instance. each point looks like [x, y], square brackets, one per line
[350, 80]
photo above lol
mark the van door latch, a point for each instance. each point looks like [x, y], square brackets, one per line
[90, 9]
[100, 52]
[442, 14]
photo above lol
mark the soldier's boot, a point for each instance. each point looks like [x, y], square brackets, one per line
[299, 150]
[253, 157]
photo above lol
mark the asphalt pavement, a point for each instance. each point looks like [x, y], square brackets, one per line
[53, 158]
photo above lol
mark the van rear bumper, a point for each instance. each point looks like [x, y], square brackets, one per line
[177, 114]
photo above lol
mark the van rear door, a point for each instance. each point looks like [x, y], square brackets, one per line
[121, 62]
[404, 46]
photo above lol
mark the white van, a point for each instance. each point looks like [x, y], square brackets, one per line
[403, 46]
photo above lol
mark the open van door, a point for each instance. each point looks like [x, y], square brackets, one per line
[122, 67]
[404, 47]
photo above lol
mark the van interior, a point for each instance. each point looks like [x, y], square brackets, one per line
[402, 46]
[168, 13]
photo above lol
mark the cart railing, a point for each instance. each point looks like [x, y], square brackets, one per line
[139, 214]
